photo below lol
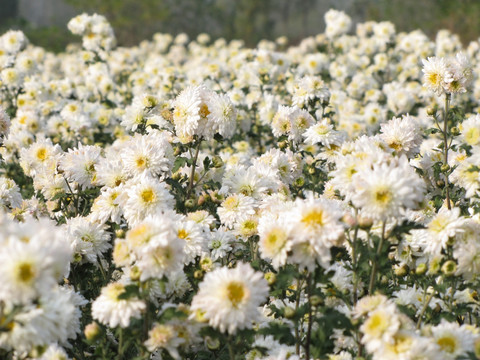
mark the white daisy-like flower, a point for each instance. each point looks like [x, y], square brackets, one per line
[275, 232]
[186, 108]
[402, 135]
[164, 336]
[150, 155]
[195, 242]
[435, 74]
[445, 225]
[235, 208]
[222, 115]
[386, 191]
[111, 310]
[145, 197]
[79, 164]
[106, 206]
[220, 243]
[229, 298]
[323, 133]
[380, 326]
[87, 238]
[454, 340]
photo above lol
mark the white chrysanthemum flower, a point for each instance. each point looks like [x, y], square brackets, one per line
[317, 228]
[87, 238]
[402, 135]
[27, 271]
[229, 298]
[55, 318]
[454, 340]
[275, 232]
[235, 208]
[111, 310]
[435, 74]
[186, 113]
[380, 326]
[145, 197]
[79, 164]
[195, 242]
[150, 155]
[54, 352]
[40, 155]
[222, 115]
[387, 190]
[470, 130]
[220, 243]
[13, 41]
[323, 133]
[337, 23]
[10, 195]
[164, 336]
[445, 225]
[4, 122]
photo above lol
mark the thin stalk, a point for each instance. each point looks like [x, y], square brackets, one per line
[371, 285]
[192, 173]
[354, 266]
[231, 353]
[297, 304]
[424, 308]
[120, 345]
[445, 145]
[309, 326]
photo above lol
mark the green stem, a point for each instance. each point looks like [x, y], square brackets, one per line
[371, 285]
[231, 352]
[424, 308]
[297, 304]
[354, 266]
[309, 326]
[192, 173]
[120, 344]
[445, 145]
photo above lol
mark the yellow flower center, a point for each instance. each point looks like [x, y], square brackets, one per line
[42, 154]
[182, 234]
[113, 291]
[147, 195]
[314, 218]
[376, 324]
[447, 344]
[25, 272]
[230, 203]
[235, 292]
[383, 196]
[204, 111]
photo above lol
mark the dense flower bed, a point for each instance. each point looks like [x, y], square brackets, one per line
[191, 199]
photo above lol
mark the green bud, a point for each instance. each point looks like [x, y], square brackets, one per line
[445, 167]
[212, 343]
[401, 271]
[421, 269]
[431, 111]
[300, 182]
[92, 332]
[449, 268]
[289, 312]
[316, 300]
[270, 277]
[455, 131]
[190, 203]
[217, 161]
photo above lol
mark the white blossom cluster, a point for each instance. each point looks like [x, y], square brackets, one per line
[159, 166]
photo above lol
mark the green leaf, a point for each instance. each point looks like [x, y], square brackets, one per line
[179, 162]
[130, 291]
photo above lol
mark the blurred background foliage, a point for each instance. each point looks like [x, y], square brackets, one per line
[44, 21]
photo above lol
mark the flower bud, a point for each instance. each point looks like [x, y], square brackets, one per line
[431, 111]
[92, 332]
[449, 268]
[217, 161]
[421, 269]
[135, 273]
[270, 277]
[212, 343]
[190, 203]
[289, 312]
[455, 131]
[444, 168]
[120, 233]
[401, 271]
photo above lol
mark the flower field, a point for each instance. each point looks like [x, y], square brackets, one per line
[197, 199]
